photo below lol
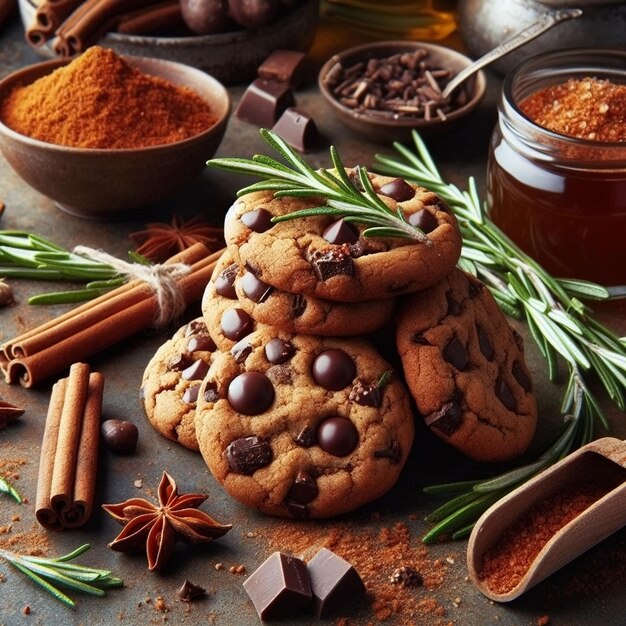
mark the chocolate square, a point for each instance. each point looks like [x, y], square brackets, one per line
[298, 129]
[286, 66]
[264, 101]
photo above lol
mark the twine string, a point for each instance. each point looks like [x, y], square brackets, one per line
[163, 280]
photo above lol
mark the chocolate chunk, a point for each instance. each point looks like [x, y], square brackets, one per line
[196, 327]
[333, 369]
[241, 350]
[406, 576]
[120, 435]
[332, 263]
[447, 419]
[180, 362]
[286, 66]
[210, 393]
[484, 343]
[258, 220]
[236, 323]
[298, 129]
[365, 394]
[280, 374]
[306, 437]
[248, 454]
[264, 101]
[297, 510]
[200, 342]
[505, 395]
[304, 489]
[254, 288]
[454, 307]
[337, 436]
[424, 220]
[189, 592]
[398, 189]
[278, 351]
[251, 393]
[334, 582]
[191, 394]
[521, 376]
[341, 232]
[456, 354]
[393, 452]
[298, 304]
[196, 371]
[280, 586]
[225, 282]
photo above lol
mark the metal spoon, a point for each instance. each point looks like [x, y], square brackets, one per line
[545, 22]
[603, 460]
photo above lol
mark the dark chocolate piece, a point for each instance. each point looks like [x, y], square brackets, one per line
[333, 369]
[241, 350]
[298, 129]
[264, 101]
[456, 354]
[236, 323]
[254, 288]
[278, 351]
[196, 371]
[258, 220]
[447, 419]
[304, 489]
[521, 376]
[120, 435]
[196, 327]
[393, 452]
[334, 582]
[398, 189]
[484, 343]
[189, 592]
[280, 374]
[298, 304]
[505, 395]
[337, 436]
[332, 263]
[306, 437]
[286, 66]
[210, 393]
[248, 454]
[191, 394]
[251, 393]
[424, 220]
[200, 342]
[365, 394]
[225, 282]
[341, 232]
[180, 362]
[279, 587]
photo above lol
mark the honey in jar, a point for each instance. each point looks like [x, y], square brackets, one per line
[562, 197]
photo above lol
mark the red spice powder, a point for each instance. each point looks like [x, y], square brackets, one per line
[586, 108]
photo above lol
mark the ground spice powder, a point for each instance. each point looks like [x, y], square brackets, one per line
[586, 108]
[505, 564]
[101, 101]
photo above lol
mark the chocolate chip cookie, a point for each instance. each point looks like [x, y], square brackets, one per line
[171, 382]
[330, 259]
[301, 426]
[465, 367]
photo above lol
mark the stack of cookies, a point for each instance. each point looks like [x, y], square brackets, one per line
[293, 409]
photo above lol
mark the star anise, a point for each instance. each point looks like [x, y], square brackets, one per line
[159, 241]
[158, 528]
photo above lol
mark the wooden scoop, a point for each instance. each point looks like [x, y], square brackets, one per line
[603, 461]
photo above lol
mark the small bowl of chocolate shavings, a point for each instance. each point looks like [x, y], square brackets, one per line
[387, 89]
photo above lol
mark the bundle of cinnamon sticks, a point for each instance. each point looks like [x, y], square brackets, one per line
[98, 324]
[74, 25]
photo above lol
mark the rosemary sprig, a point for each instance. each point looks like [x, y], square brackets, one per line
[53, 573]
[560, 324]
[341, 195]
[8, 488]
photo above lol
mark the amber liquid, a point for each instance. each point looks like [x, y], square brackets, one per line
[572, 222]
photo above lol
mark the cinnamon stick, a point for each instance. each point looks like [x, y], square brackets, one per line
[50, 14]
[69, 453]
[78, 335]
[162, 17]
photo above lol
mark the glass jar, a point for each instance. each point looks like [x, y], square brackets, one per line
[561, 199]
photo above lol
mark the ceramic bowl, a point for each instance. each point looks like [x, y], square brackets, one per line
[388, 130]
[231, 57]
[110, 183]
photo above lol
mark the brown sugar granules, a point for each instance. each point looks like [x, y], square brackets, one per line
[505, 564]
[101, 101]
[586, 108]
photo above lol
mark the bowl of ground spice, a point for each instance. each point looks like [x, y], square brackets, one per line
[387, 89]
[104, 135]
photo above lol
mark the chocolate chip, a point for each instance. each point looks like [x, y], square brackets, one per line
[420, 340]
[180, 362]
[406, 576]
[254, 288]
[258, 220]
[196, 327]
[236, 323]
[241, 350]
[298, 304]
[297, 510]
[298, 129]
[251, 393]
[424, 220]
[341, 232]
[484, 343]
[337, 436]
[304, 489]
[447, 419]
[455, 354]
[225, 282]
[398, 189]
[210, 393]
[120, 435]
[333, 369]
[521, 376]
[201, 342]
[264, 101]
[365, 394]
[332, 263]
[196, 371]
[278, 351]
[306, 437]
[505, 395]
[248, 454]
[189, 592]
[191, 394]
[286, 66]
[454, 307]
[280, 374]
[393, 452]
